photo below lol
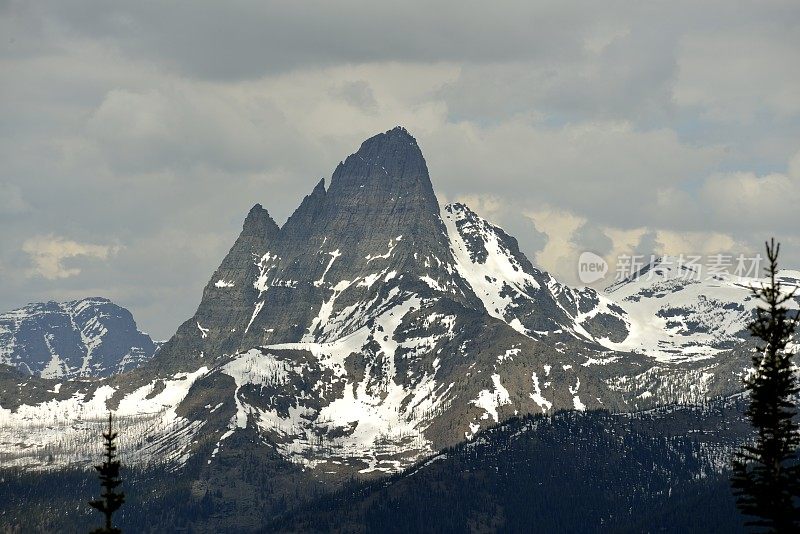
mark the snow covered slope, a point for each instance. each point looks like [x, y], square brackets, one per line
[88, 337]
[513, 290]
[676, 316]
[55, 423]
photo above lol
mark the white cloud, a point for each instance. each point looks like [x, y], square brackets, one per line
[623, 242]
[563, 247]
[560, 253]
[751, 202]
[47, 254]
[671, 243]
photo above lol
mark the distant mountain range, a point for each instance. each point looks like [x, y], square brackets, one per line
[372, 330]
[92, 337]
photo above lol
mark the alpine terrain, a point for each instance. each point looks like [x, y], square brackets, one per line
[370, 331]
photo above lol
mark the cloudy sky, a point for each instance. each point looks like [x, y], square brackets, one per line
[136, 135]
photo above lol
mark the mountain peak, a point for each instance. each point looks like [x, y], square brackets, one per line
[391, 158]
[400, 131]
[259, 223]
[398, 139]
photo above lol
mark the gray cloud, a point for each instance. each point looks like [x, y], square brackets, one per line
[589, 237]
[250, 39]
[151, 128]
[357, 93]
[11, 201]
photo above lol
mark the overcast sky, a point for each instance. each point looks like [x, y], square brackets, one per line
[136, 135]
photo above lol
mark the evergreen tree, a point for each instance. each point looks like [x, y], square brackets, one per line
[765, 473]
[111, 499]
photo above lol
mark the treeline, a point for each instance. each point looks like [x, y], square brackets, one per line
[571, 473]
[57, 501]
[244, 487]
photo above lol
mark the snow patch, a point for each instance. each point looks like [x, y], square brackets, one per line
[537, 396]
[489, 401]
[256, 311]
[203, 331]
[335, 254]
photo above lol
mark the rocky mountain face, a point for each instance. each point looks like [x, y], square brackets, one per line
[375, 226]
[91, 337]
[375, 328]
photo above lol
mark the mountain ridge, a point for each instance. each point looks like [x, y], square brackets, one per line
[374, 328]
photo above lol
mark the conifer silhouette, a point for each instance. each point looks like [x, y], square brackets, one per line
[765, 473]
[111, 499]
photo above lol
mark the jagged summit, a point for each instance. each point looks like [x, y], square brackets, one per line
[385, 180]
[319, 189]
[379, 198]
[259, 223]
[378, 216]
[400, 131]
[300, 223]
[390, 162]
